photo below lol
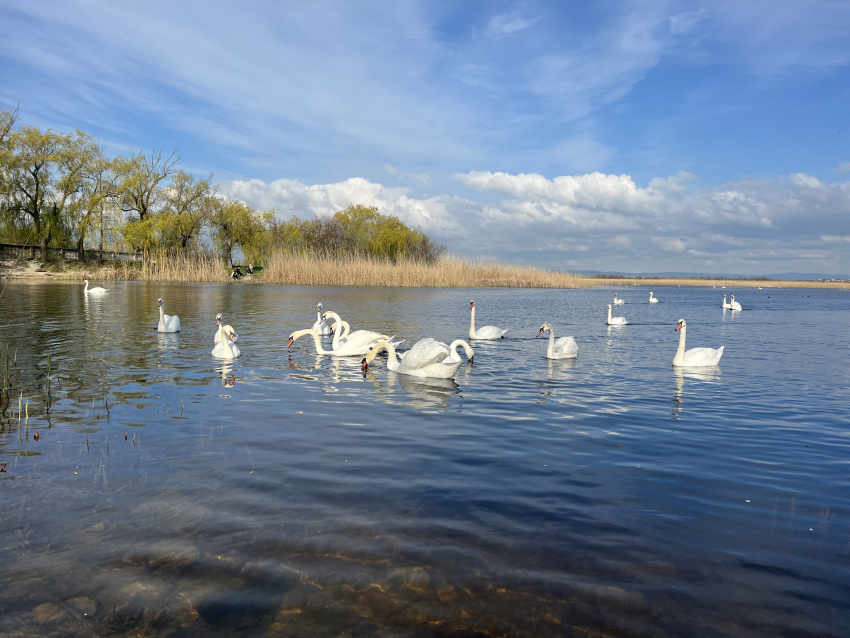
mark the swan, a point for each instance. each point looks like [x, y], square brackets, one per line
[563, 348]
[353, 342]
[695, 357]
[615, 321]
[167, 323]
[652, 299]
[320, 326]
[228, 329]
[724, 304]
[427, 358]
[97, 290]
[618, 302]
[486, 332]
[225, 342]
[734, 305]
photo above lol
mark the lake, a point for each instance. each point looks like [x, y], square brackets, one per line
[288, 494]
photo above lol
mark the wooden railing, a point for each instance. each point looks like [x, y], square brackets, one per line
[12, 251]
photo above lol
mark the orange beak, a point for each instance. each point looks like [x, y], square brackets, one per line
[364, 365]
[291, 341]
[678, 325]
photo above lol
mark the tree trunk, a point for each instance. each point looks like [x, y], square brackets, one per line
[44, 249]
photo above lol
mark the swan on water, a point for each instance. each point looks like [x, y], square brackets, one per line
[347, 343]
[725, 304]
[615, 321]
[618, 302]
[563, 348]
[485, 332]
[734, 305]
[167, 323]
[97, 290]
[320, 326]
[427, 358]
[225, 341]
[695, 357]
[652, 299]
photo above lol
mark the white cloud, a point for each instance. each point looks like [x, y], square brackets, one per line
[844, 167]
[685, 22]
[389, 168]
[671, 244]
[620, 241]
[291, 197]
[507, 23]
[835, 239]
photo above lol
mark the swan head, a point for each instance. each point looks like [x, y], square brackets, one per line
[86, 280]
[318, 307]
[608, 306]
[471, 305]
[680, 325]
[218, 319]
[364, 365]
[544, 328]
[159, 302]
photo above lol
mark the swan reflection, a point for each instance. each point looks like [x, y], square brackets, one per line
[167, 341]
[704, 374]
[228, 378]
[421, 393]
[557, 368]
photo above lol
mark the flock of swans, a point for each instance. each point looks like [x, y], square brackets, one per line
[427, 357]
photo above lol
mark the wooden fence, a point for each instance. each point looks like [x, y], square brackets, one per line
[15, 251]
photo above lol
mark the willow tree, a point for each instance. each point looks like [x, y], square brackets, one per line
[188, 203]
[234, 224]
[43, 178]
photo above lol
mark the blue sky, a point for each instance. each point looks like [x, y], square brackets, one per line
[638, 136]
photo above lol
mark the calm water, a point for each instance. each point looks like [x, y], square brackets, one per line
[286, 494]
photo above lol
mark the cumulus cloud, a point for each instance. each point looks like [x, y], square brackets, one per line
[291, 197]
[734, 223]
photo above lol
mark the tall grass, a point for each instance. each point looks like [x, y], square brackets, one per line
[178, 266]
[320, 269]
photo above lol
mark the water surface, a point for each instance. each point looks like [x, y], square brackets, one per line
[286, 494]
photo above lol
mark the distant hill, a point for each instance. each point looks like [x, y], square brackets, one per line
[788, 276]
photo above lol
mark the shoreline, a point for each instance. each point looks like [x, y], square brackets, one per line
[454, 273]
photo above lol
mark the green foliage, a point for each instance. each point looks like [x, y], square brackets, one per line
[59, 189]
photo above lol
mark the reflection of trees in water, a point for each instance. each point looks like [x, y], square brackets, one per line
[708, 374]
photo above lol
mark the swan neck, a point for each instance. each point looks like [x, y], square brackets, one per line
[161, 313]
[466, 348]
[316, 339]
[222, 335]
[681, 351]
[472, 322]
[551, 351]
[392, 361]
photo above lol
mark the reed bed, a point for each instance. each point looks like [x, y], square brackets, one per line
[732, 283]
[317, 269]
[190, 266]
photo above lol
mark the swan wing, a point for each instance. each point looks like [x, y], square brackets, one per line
[424, 353]
[701, 357]
[489, 332]
[566, 348]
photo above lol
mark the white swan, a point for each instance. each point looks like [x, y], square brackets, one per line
[167, 323]
[320, 326]
[695, 357]
[734, 305]
[615, 321]
[227, 329]
[353, 342]
[725, 304]
[225, 342]
[97, 290]
[618, 302]
[652, 299]
[427, 358]
[485, 332]
[563, 348]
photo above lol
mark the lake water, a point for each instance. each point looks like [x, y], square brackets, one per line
[286, 494]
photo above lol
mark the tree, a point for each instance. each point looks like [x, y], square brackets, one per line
[43, 177]
[236, 224]
[141, 186]
[187, 205]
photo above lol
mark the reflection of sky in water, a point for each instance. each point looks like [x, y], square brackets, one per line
[289, 492]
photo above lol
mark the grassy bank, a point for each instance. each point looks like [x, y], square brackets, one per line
[173, 267]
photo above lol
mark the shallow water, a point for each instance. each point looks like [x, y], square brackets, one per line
[289, 494]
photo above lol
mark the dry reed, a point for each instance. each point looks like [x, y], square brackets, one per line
[189, 266]
[317, 269]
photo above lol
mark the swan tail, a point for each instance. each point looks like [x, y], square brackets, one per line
[719, 354]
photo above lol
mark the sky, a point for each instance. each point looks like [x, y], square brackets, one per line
[615, 136]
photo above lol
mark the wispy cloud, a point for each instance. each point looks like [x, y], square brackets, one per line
[685, 22]
[508, 23]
